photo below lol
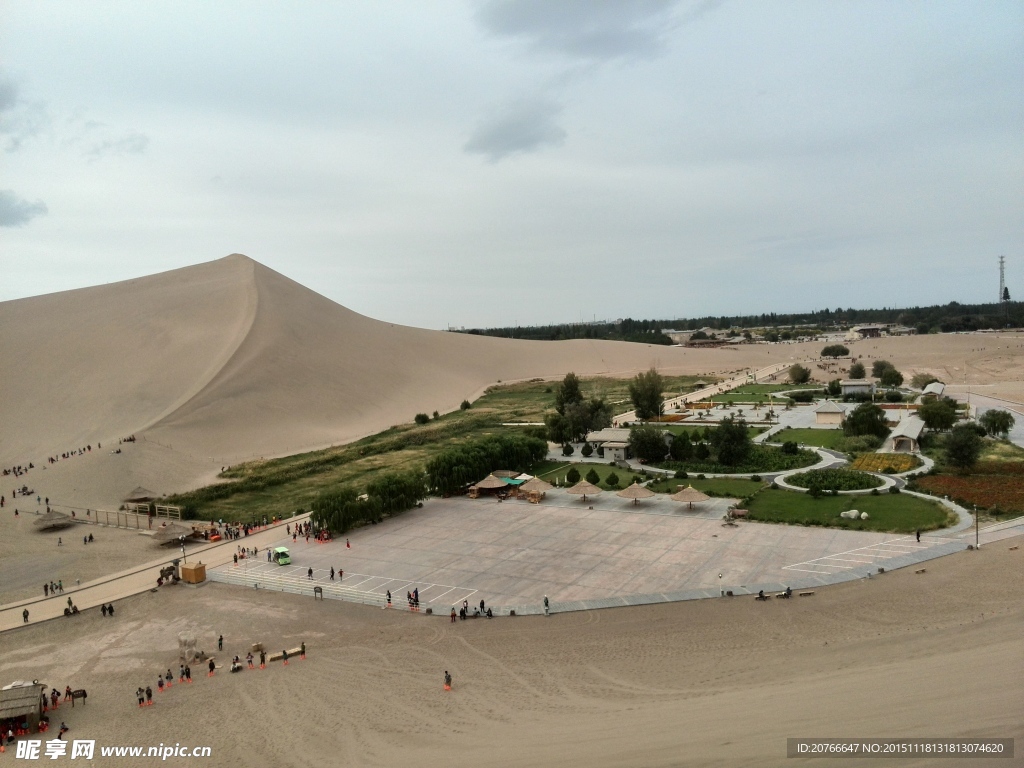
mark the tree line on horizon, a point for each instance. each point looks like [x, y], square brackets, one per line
[939, 318]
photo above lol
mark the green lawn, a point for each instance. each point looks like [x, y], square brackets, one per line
[898, 513]
[762, 459]
[734, 488]
[822, 438]
[603, 470]
[764, 389]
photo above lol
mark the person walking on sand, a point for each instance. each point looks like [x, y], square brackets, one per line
[263, 659]
[141, 696]
[149, 696]
[181, 673]
[309, 574]
[347, 544]
[389, 598]
[284, 657]
[447, 681]
[213, 667]
[220, 643]
[453, 614]
[188, 674]
[24, 616]
[248, 660]
[332, 573]
[918, 535]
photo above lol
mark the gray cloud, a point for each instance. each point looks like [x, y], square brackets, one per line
[15, 211]
[19, 120]
[587, 29]
[523, 126]
[130, 144]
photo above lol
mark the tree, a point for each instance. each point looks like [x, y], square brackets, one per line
[939, 414]
[997, 422]
[451, 470]
[857, 371]
[612, 480]
[835, 388]
[568, 392]
[592, 477]
[568, 450]
[891, 378]
[835, 350]
[572, 476]
[466, 405]
[731, 442]
[437, 415]
[921, 380]
[698, 336]
[397, 491]
[879, 366]
[866, 419]
[798, 374]
[645, 391]
[422, 418]
[681, 448]
[701, 452]
[963, 446]
[1006, 293]
[587, 450]
[648, 443]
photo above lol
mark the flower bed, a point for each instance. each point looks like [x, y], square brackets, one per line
[889, 463]
[992, 485]
[835, 480]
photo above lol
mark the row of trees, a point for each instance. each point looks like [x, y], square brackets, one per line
[343, 508]
[456, 467]
[946, 318]
[729, 443]
[575, 415]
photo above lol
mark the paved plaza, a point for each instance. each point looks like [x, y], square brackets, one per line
[512, 553]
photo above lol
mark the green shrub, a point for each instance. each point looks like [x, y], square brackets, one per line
[835, 480]
[592, 477]
[894, 489]
[680, 475]
[587, 450]
[572, 476]
[568, 450]
[466, 405]
[612, 479]
[422, 418]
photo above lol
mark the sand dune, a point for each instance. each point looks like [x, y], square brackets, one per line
[229, 360]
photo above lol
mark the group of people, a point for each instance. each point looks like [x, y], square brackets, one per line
[18, 470]
[87, 539]
[165, 680]
[53, 588]
[481, 610]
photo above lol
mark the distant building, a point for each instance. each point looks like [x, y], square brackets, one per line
[857, 387]
[611, 443]
[933, 391]
[872, 331]
[829, 412]
[906, 435]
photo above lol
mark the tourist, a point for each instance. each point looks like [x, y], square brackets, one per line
[213, 667]
[220, 643]
[309, 574]
[248, 660]
[453, 614]
[389, 598]
[110, 609]
[141, 696]
[263, 659]
[188, 674]
[149, 696]
[284, 657]
[24, 616]
[103, 608]
[46, 590]
[447, 681]
[332, 573]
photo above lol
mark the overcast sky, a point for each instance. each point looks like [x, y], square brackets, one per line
[521, 161]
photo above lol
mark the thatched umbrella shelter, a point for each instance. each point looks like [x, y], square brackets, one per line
[690, 495]
[171, 533]
[636, 491]
[53, 519]
[536, 489]
[489, 483]
[584, 489]
[140, 495]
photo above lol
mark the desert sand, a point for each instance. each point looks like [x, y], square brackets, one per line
[229, 360]
[225, 361]
[712, 682]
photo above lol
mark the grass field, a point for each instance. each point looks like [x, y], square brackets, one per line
[603, 470]
[898, 513]
[734, 488]
[692, 427]
[822, 438]
[282, 486]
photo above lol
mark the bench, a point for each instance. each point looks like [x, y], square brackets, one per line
[293, 653]
[806, 594]
[920, 570]
[740, 512]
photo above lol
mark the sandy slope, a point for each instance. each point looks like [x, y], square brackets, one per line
[712, 682]
[229, 360]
